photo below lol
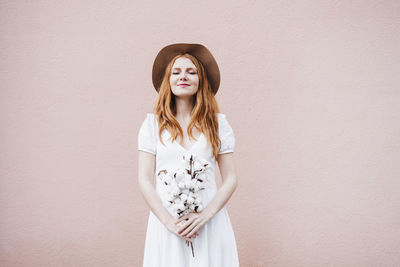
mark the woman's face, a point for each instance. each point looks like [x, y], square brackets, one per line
[184, 79]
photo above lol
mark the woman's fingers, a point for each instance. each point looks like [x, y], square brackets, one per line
[193, 236]
[188, 229]
[184, 225]
[190, 238]
[178, 232]
[193, 232]
[181, 219]
[184, 237]
[185, 228]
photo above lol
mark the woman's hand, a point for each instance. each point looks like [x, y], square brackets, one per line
[190, 223]
[173, 227]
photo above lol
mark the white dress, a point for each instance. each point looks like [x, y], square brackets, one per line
[215, 246]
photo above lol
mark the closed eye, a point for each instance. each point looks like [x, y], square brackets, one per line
[189, 73]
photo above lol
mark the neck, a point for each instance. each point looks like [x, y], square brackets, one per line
[184, 107]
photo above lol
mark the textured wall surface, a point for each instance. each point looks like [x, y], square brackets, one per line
[311, 89]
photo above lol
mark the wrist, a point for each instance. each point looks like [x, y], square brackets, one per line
[208, 213]
[167, 220]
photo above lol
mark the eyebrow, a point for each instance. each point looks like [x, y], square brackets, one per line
[180, 68]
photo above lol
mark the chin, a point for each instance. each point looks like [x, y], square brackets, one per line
[184, 93]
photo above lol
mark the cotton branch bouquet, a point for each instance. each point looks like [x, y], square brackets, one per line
[183, 187]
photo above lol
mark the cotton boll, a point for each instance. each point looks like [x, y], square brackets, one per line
[174, 187]
[185, 191]
[180, 175]
[168, 189]
[167, 178]
[181, 206]
[188, 177]
[197, 165]
[173, 183]
[178, 201]
[200, 207]
[198, 200]
[175, 191]
[189, 184]
[190, 200]
[180, 172]
[182, 185]
[170, 197]
[173, 209]
[184, 197]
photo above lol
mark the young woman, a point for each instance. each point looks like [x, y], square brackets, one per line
[186, 125]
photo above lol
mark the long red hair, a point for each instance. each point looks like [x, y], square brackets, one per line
[204, 112]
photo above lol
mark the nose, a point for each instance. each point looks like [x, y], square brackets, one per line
[183, 77]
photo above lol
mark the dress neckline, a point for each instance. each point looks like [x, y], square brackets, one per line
[176, 140]
[187, 149]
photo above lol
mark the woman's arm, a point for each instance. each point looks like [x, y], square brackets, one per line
[146, 168]
[226, 166]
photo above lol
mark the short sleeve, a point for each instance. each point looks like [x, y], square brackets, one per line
[146, 136]
[226, 135]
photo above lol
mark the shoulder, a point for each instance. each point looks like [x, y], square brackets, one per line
[221, 116]
[151, 121]
[224, 125]
[226, 134]
[146, 138]
[150, 117]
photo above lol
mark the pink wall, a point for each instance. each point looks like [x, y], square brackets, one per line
[310, 88]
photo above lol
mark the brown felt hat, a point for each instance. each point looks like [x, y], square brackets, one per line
[198, 51]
